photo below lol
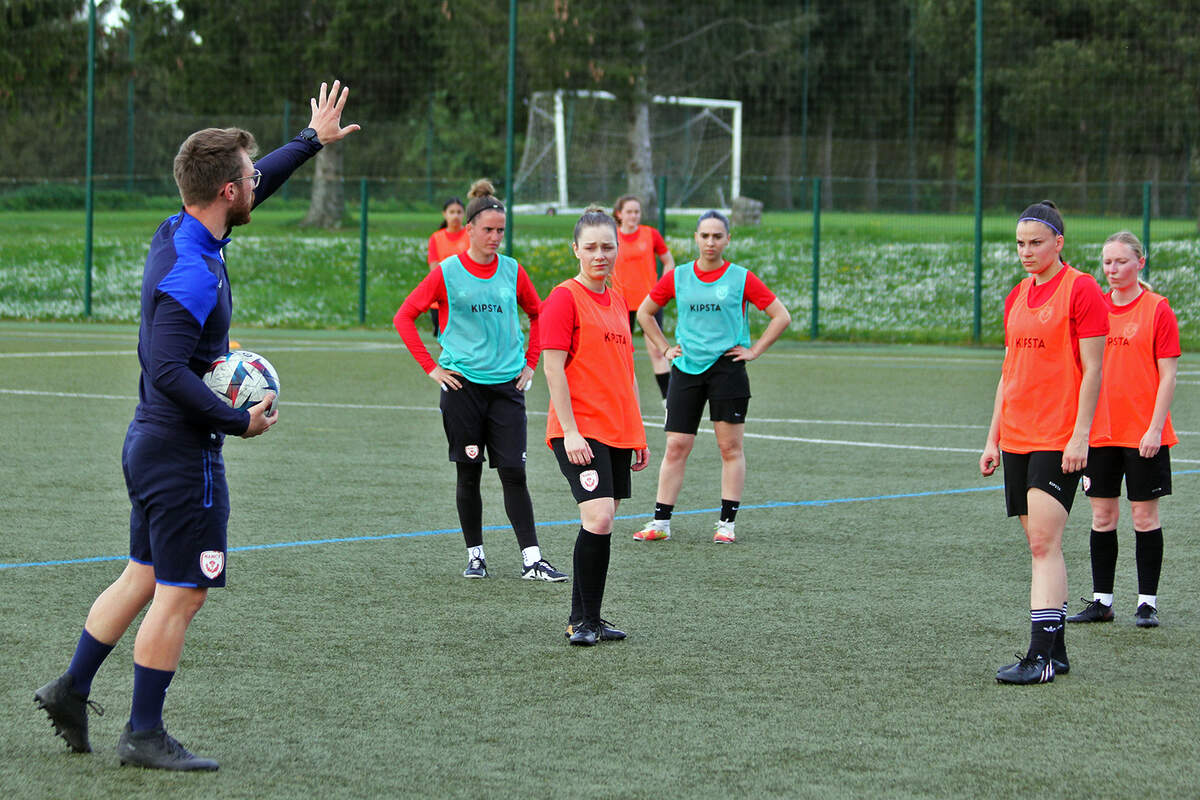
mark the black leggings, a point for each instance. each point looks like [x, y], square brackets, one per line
[517, 503]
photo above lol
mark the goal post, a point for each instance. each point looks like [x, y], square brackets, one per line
[576, 151]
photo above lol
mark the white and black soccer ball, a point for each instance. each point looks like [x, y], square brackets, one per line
[242, 378]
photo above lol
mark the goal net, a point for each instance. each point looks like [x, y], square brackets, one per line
[577, 151]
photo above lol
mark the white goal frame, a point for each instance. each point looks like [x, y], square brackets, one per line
[560, 137]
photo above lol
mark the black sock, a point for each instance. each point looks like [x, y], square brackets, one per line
[518, 505]
[1044, 625]
[1149, 553]
[663, 510]
[729, 509]
[1104, 561]
[1059, 650]
[664, 380]
[470, 503]
[591, 572]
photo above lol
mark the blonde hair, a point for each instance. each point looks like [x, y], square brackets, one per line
[593, 215]
[1133, 243]
[482, 196]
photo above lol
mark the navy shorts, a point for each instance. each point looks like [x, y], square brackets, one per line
[1145, 478]
[485, 415]
[180, 509]
[607, 476]
[1041, 469]
[725, 386]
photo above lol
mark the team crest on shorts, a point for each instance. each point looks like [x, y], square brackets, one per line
[1087, 483]
[589, 479]
[472, 450]
[211, 563]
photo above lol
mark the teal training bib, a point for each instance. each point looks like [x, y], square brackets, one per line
[710, 316]
[482, 338]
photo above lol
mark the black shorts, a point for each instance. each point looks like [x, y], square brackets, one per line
[658, 317]
[179, 509]
[485, 415]
[1041, 469]
[607, 476]
[725, 386]
[1145, 478]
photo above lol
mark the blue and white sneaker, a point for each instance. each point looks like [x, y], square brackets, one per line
[476, 568]
[542, 570]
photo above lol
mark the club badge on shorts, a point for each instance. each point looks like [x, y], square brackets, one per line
[472, 451]
[211, 563]
[589, 479]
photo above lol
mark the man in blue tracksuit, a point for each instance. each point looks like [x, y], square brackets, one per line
[172, 454]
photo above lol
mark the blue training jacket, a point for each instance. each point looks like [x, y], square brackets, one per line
[187, 306]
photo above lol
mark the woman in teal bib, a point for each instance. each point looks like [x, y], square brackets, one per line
[483, 371]
[708, 365]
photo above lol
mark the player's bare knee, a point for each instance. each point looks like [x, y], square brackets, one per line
[1145, 515]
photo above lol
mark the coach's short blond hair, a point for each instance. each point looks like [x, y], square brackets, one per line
[209, 159]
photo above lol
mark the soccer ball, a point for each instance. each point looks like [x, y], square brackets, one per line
[241, 379]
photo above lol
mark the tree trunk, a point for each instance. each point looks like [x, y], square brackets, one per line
[328, 204]
[641, 154]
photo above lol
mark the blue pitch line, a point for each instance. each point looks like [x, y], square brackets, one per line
[439, 531]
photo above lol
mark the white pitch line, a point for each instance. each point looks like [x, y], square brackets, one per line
[70, 353]
[845, 443]
[868, 423]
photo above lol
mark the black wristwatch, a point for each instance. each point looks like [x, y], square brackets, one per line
[310, 135]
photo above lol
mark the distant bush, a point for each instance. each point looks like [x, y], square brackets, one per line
[73, 197]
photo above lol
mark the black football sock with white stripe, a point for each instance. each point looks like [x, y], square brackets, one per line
[1059, 650]
[1044, 626]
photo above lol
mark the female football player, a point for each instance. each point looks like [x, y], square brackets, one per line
[450, 239]
[484, 371]
[635, 272]
[1132, 433]
[708, 365]
[595, 422]
[1055, 321]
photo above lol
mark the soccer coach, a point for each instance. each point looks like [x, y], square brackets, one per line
[172, 453]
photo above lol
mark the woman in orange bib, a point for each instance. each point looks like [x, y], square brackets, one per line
[1132, 433]
[595, 422]
[1055, 321]
[450, 239]
[635, 272]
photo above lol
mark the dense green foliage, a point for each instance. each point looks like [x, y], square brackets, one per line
[1091, 96]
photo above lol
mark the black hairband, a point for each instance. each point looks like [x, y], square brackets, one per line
[492, 204]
